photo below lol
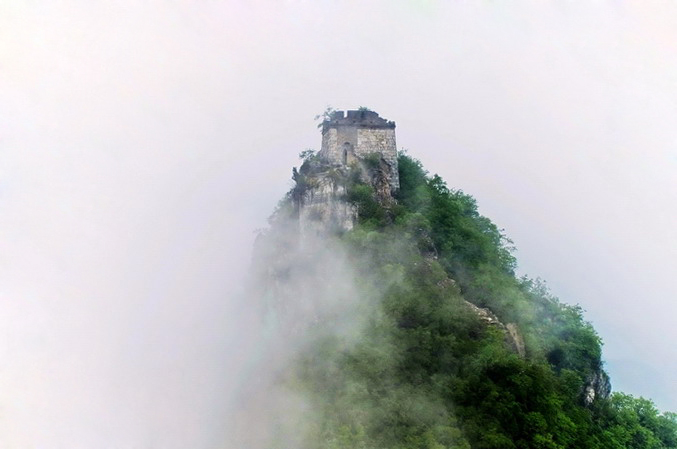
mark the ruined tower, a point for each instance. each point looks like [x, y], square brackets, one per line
[357, 135]
[359, 143]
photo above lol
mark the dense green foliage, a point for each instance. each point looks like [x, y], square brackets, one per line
[427, 372]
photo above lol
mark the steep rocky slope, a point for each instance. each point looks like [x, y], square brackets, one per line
[408, 327]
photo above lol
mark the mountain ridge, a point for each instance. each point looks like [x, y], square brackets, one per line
[452, 350]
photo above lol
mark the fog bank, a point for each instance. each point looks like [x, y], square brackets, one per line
[142, 145]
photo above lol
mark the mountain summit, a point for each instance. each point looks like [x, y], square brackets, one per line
[395, 319]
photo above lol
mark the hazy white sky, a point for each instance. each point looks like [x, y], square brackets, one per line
[141, 145]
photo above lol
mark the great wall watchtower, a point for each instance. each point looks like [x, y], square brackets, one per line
[359, 143]
[358, 135]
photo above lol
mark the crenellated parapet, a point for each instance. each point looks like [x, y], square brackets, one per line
[358, 118]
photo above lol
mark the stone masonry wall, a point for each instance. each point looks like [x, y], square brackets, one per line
[363, 142]
[330, 148]
[380, 141]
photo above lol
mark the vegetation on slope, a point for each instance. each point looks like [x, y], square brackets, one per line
[427, 372]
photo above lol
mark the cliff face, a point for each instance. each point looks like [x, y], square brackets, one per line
[597, 385]
[320, 201]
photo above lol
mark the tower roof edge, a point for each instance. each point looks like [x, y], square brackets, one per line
[362, 118]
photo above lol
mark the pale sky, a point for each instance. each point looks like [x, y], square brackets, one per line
[141, 146]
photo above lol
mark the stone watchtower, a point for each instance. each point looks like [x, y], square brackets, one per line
[359, 143]
[351, 137]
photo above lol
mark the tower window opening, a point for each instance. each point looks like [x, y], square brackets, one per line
[346, 149]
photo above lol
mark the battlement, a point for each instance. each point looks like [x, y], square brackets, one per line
[356, 118]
